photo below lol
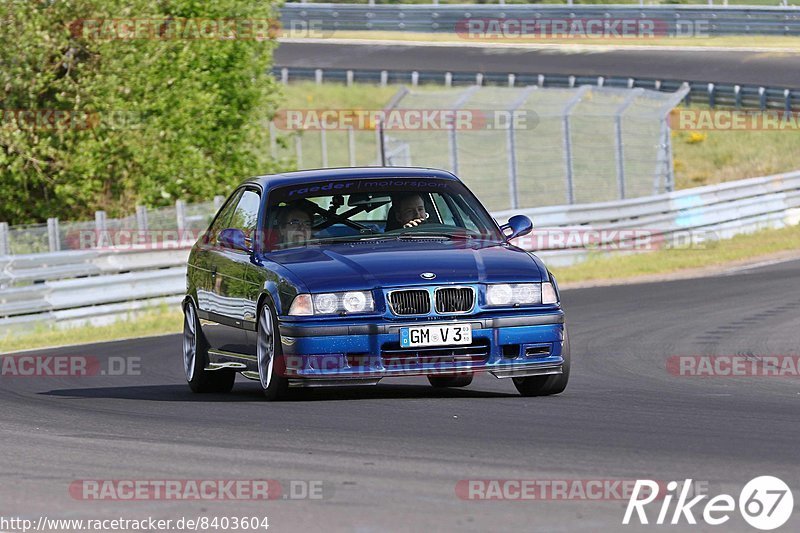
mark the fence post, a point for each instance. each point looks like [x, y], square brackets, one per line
[273, 141]
[180, 217]
[511, 144]
[298, 149]
[351, 145]
[99, 221]
[5, 248]
[568, 141]
[141, 218]
[323, 142]
[620, 146]
[381, 142]
[53, 237]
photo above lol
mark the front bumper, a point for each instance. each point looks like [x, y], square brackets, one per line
[505, 346]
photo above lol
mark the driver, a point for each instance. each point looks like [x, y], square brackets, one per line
[409, 210]
[294, 225]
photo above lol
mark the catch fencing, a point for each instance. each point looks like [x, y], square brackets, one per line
[513, 146]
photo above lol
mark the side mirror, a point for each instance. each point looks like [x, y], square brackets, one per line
[517, 226]
[234, 239]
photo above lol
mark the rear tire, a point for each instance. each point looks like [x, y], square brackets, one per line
[546, 385]
[195, 357]
[441, 382]
[270, 356]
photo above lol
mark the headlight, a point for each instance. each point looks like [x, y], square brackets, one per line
[549, 295]
[332, 303]
[510, 294]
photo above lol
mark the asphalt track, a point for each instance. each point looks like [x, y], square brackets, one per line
[777, 69]
[390, 456]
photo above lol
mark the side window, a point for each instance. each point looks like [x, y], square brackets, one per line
[245, 215]
[224, 216]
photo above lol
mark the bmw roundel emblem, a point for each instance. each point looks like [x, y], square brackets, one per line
[427, 275]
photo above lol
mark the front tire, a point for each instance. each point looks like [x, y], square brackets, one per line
[195, 357]
[441, 382]
[546, 385]
[270, 356]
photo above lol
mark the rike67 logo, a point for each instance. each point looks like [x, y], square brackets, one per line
[765, 502]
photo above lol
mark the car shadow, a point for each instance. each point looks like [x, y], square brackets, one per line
[246, 392]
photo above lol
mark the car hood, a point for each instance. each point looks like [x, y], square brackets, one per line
[365, 265]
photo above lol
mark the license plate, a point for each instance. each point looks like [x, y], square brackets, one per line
[444, 335]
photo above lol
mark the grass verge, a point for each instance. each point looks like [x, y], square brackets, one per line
[157, 321]
[716, 254]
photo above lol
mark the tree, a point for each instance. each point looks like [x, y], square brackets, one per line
[101, 113]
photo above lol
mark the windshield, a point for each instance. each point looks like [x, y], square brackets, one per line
[375, 209]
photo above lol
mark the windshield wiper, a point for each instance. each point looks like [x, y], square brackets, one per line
[445, 234]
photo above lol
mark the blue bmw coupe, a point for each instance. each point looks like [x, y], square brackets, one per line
[347, 276]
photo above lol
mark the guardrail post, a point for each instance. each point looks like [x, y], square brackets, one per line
[762, 98]
[318, 76]
[349, 78]
[787, 100]
[511, 80]
[180, 217]
[53, 237]
[711, 95]
[141, 218]
[448, 79]
[540, 80]
[218, 200]
[5, 249]
[284, 75]
[351, 145]
[384, 78]
[414, 78]
[571, 81]
[323, 144]
[479, 79]
[737, 96]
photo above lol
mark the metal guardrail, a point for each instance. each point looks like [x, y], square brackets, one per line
[44, 288]
[710, 93]
[671, 20]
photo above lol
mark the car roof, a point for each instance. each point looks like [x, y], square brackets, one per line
[271, 181]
